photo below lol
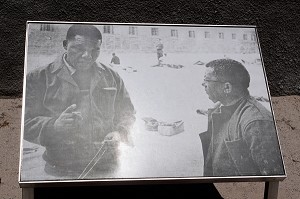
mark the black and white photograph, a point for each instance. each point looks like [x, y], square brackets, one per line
[129, 102]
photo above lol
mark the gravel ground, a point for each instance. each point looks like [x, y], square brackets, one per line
[287, 115]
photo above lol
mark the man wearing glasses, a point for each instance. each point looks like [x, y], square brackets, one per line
[241, 138]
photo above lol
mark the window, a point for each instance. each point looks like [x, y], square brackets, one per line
[132, 30]
[206, 34]
[108, 29]
[245, 36]
[221, 35]
[154, 31]
[46, 27]
[174, 33]
[252, 37]
[192, 34]
[233, 36]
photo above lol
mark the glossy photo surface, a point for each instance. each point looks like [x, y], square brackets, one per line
[122, 103]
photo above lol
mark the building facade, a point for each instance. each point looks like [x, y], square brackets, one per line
[47, 38]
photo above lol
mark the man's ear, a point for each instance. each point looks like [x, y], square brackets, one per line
[227, 87]
[65, 44]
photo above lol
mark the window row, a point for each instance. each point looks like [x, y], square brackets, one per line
[233, 36]
[108, 29]
[174, 33]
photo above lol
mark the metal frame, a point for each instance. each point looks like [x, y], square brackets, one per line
[271, 181]
[270, 192]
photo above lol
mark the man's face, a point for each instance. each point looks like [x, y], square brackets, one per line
[213, 87]
[82, 52]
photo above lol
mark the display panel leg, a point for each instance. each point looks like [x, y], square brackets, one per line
[28, 193]
[271, 190]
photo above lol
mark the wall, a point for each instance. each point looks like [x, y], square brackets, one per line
[277, 23]
[49, 41]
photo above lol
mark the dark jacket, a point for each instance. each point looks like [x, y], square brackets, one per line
[241, 140]
[51, 89]
[115, 60]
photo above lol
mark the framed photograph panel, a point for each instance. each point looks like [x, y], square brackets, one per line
[112, 103]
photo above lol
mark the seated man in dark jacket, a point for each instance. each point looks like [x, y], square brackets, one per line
[115, 59]
[78, 109]
[241, 138]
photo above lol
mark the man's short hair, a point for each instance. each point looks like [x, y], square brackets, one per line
[84, 30]
[228, 70]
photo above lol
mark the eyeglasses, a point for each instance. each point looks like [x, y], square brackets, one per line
[210, 80]
[205, 81]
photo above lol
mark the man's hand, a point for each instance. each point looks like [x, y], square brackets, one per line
[67, 120]
[112, 139]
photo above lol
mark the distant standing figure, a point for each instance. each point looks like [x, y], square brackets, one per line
[115, 59]
[159, 49]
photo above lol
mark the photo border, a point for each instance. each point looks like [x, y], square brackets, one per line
[154, 180]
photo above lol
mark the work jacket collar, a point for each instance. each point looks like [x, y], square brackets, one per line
[60, 67]
[227, 110]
